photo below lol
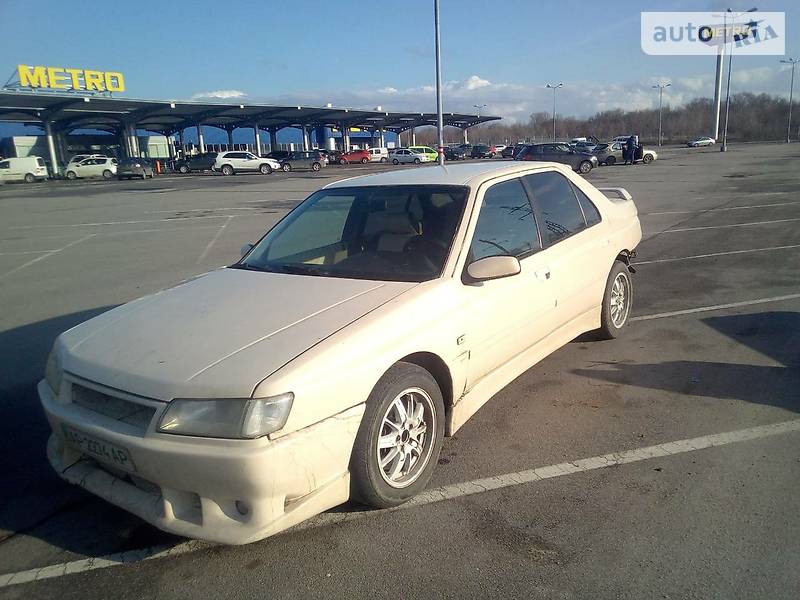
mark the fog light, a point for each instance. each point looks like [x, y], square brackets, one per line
[242, 507]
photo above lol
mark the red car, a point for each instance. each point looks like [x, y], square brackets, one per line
[354, 156]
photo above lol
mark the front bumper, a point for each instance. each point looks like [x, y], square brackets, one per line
[225, 491]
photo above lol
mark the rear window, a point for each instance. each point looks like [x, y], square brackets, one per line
[561, 214]
[39, 161]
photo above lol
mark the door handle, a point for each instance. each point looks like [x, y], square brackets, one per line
[543, 274]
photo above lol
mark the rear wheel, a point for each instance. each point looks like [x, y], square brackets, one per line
[617, 302]
[183, 169]
[399, 439]
[30, 178]
[647, 159]
[384, 159]
[395, 161]
[316, 166]
[227, 170]
[286, 167]
[265, 169]
[108, 174]
[585, 167]
[610, 161]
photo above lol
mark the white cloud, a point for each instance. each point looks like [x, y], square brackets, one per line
[387, 90]
[218, 95]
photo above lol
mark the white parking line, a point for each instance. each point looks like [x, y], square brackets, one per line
[690, 212]
[43, 256]
[25, 252]
[700, 309]
[432, 496]
[723, 226]
[213, 240]
[695, 256]
[119, 222]
[187, 210]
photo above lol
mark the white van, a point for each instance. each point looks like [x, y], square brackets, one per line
[27, 169]
[378, 155]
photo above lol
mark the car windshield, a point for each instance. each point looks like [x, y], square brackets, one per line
[387, 233]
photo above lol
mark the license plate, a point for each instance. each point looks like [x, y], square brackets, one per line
[100, 449]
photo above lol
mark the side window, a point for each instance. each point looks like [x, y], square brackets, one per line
[590, 211]
[560, 212]
[505, 226]
[5, 164]
[323, 223]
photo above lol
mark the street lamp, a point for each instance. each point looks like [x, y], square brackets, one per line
[724, 146]
[660, 87]
[554, 88]
[793, 62]
[479, 107]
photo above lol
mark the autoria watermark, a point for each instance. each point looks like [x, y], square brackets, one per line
[699, 33]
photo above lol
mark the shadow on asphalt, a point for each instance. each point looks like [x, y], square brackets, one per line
[773, 334]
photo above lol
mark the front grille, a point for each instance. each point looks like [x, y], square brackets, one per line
[125, 411]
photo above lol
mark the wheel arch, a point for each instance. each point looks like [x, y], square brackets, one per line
[434, 365]
[626, 257]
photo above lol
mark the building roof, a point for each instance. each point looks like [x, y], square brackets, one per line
[72, 111]
[451, 174]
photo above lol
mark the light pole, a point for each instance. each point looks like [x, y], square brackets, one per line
[554, 88]
[479, 107]
[439, 118]
[660, 87]
[793, 62]
[724, 146]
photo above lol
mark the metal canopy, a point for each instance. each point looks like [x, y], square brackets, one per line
[69, 112]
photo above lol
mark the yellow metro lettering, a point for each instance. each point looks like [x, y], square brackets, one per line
[36, 77]
[115, 82]
[55, 78]
[94, 80]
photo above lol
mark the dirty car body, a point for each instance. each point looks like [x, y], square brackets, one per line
[248, 399]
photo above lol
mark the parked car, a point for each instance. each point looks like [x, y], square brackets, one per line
[609, 154]
[354, 156]
[482, 151]
[92, 167]
[454, 153]
[509, 151]
[432, 154]
[200, 162]
[406, 155]
[498, 148]
[128, 168]
[278, 155]
[303, 160]
[331, 156]
[333, 358]
[378, 155]
[230, 163]
[701, 141]
[26, 168]
[559, 152]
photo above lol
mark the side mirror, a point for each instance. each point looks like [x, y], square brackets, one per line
[245, 249]
[493, 267]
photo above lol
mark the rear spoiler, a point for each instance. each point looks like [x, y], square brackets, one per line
[616, 194]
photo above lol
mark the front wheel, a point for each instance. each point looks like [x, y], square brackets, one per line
[71, 175]
[265, 169]
[399, 439]
[342, 161]
[364, 161]
[647, 159]
[617, 302]
[585, 167]
[417, 161]
[316, 166]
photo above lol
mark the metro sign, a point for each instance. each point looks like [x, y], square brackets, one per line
[58, 78]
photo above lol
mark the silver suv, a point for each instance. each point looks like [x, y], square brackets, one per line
[230, 163]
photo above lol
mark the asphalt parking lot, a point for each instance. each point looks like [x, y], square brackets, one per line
[665, 464]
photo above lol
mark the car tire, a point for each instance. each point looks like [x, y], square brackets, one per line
[227, 170]
[30, 178]
[610, 161]
[342, 161]
[107, 174]
[395, 161]
[364, 161]
[384, 159]
[315, 166]
[647, 159]
[617, 302]
[286, 167]
[403, 386]
[183, 169]
[417, 161]
[71, 175]
[585, 167]
[265, 169]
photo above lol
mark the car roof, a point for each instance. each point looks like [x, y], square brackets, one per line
[467, 174]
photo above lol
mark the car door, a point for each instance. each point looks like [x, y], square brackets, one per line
[505, 317]
[575, 241]
[5, 170]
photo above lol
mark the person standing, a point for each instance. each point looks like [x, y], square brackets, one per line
[630, 150]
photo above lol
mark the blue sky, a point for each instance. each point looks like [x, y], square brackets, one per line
[367, 53]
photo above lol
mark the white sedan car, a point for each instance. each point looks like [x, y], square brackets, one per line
[332, 359]
[404, 155]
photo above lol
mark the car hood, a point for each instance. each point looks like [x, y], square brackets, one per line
[217, 335]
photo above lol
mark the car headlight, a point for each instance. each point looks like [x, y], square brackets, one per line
[233, 418]
[53, 371]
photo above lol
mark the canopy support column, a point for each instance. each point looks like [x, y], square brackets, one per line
[257, 139]
[306, 145]
[201, 144]
[273, 139]
[51, 147]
